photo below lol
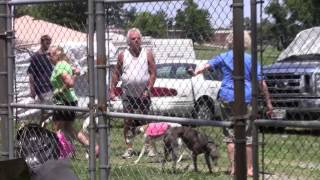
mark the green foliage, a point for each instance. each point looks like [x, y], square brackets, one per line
[73, 14]
[206, 53]
[154, 25]
[194, 21]
[114, 15]
[290, 17]
[70, 14]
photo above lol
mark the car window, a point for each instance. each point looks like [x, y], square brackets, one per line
[174, 70]
[164, 71]
[212, 75]
[181, 73]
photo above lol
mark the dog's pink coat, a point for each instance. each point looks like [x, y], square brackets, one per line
[157, 129]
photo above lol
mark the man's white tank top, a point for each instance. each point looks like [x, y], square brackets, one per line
[135, 74]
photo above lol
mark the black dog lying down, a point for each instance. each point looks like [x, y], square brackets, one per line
[196, 142]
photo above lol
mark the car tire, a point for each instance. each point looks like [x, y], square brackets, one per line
[204, 109]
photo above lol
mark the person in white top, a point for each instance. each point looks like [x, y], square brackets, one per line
[137, 70]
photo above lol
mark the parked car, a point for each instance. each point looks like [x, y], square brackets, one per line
[294, 79]
[177, 93]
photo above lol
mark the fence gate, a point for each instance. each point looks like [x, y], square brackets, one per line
[288, 48]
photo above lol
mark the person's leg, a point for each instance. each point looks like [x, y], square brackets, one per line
[249, 143]
[230, 149]
[128, 103]
[249, 160]
[84, 139]
[45, 98]
[226, 113]
[128, 136]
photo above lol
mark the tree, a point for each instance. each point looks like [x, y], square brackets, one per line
[247, 23]
[115, 15]
[154, 25]
[290, 17]
[194, 21]
[72, 13]
[66, 13]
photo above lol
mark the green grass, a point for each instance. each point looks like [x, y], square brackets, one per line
[269, 54]
[149, 168]
[294, 155]
[286, 156]
[206, 53]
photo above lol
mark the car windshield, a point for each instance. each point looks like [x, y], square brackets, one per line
[174, 70]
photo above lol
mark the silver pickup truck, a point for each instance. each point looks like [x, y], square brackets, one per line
[294, 79]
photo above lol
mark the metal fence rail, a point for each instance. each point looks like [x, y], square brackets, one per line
[286, 55]
[180, 35]
[288, 154]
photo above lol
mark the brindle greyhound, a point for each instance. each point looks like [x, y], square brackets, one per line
[196, 142]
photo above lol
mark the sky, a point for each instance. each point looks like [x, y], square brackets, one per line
[220, 11]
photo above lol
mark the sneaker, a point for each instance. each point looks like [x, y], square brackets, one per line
[127, 154]
[151, 152]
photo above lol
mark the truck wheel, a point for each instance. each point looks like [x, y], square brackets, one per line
[204, 110]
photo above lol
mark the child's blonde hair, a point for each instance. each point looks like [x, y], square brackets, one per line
[60, 52]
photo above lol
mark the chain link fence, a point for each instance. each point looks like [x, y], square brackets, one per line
[289, 52]
[177, 43]
[181, 35]
[37, 84]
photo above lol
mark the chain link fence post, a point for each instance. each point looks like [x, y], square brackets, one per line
[239, 105]
[4, 144]
[254, 83]
[92, 134]
[101, 71]
[11, 60]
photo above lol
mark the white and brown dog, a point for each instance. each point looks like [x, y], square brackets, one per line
[152, 133]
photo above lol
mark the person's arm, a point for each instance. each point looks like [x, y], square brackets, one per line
[75, 70]
[201, 69]
[31, 85]
[31, 78]
[152, 70]
[212, 63]
[152, 73]
[116, 76]
[68, 80]
[265, 92]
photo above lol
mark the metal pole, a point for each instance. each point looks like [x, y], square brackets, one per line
[254, 84]
[4, 136]
[11, 61]
[181, 120]
[101, 71]
[239, 107]
[92, 136]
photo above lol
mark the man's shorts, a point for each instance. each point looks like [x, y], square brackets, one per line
[65, 115]
[226, 114]
[138, 105]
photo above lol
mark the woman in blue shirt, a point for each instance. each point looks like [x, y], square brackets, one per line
[224, 62]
